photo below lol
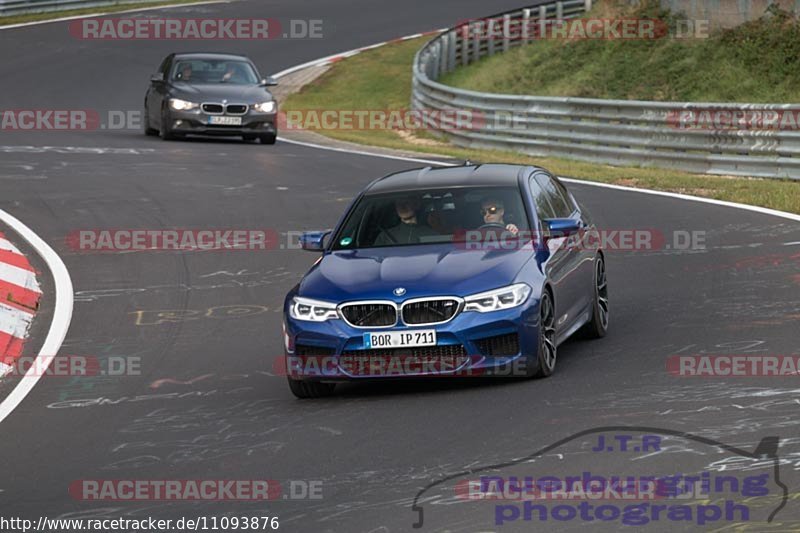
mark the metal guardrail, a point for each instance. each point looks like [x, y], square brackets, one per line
[616, 132]
[24, 7]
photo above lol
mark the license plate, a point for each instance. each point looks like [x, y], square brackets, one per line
[400, 339]
[225, 121]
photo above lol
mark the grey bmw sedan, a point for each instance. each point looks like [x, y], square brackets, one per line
[210, 94]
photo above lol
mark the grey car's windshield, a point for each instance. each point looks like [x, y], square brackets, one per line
[430, 216]
[233, 72]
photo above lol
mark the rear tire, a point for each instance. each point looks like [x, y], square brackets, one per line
[546, 350]
[310, 389]
[597, 327]
[269, 138]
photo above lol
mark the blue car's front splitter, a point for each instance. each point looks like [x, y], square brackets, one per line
[499, 343]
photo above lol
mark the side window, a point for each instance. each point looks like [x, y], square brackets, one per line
[557, 197]
[543, 207]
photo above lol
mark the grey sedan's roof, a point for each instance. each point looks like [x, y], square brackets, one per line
[463, 176]
[209, 55]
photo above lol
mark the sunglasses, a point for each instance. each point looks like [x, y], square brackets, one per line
[489, 210]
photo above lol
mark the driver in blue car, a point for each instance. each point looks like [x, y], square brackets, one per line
[493, 212]
[410, 230]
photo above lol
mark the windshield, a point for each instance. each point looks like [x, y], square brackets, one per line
[430, 216]
[214, 71]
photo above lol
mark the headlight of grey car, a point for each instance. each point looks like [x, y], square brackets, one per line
[182, 105]
[265, 107]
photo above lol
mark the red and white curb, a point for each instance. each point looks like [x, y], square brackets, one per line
[62, 311]
[19, 299]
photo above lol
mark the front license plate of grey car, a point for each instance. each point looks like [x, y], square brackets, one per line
[400, 339]
[225, 121]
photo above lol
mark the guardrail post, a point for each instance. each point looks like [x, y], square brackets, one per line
[451, 57]
[526, 17]
[506, 32]
[465, 42]
[559, 10]
[587, 5]
[445, 53]
[490, 34]
[476, 44]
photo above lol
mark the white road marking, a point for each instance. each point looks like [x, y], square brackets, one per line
[74, 150]
[100, 13]
[62, 314]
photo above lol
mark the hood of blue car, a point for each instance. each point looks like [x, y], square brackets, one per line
[426, 270]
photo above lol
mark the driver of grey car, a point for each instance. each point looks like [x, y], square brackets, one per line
[493, 211]
[410, 229]
[185, 72]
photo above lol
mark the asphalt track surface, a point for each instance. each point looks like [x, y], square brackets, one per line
[220, 414]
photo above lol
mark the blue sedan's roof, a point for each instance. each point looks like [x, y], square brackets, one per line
[463, 176]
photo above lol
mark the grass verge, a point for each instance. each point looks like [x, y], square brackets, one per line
[755, 62]
[36, 17]
[381, 79]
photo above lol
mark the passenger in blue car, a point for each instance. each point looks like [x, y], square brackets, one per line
[409, 230]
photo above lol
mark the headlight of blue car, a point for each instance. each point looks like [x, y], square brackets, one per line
[497, 299]
[312, 310]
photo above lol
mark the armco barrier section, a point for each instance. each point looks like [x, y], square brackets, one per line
[617, 132]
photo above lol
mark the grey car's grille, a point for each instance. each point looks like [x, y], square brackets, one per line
[370, 314]
[430, 311]
[236, 109]
[212, 108]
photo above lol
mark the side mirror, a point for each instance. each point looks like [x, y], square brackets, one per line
[313, 241]
[562, 227]
[269, 81]
[158, 77]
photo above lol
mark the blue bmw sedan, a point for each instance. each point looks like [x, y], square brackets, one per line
[477, 270]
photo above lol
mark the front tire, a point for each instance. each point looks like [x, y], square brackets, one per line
[148, 130]
[165, 131]
[597, 327]
[310, 389]
[546, 350]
